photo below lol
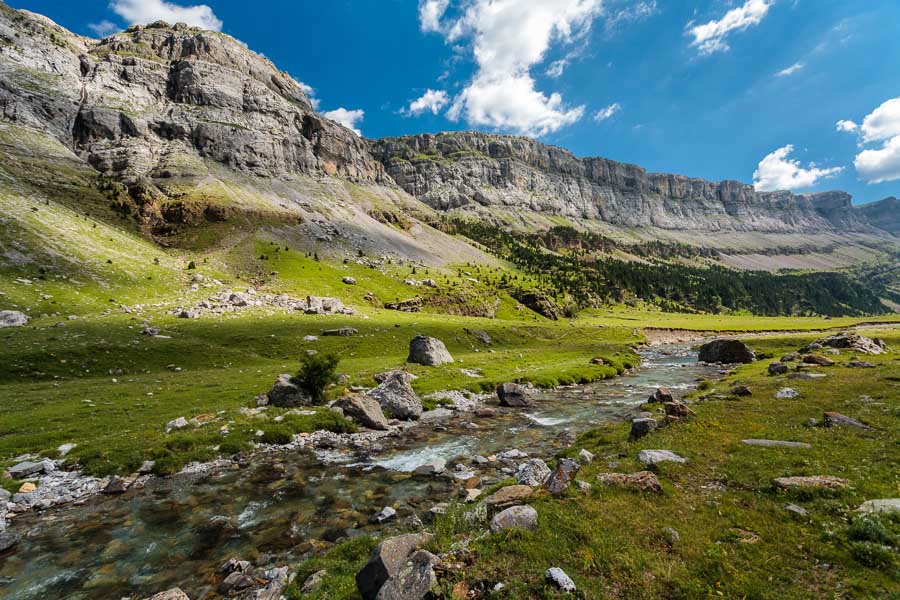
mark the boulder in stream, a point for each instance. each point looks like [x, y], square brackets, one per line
[397, 397]
[726, 351]
[513, 394]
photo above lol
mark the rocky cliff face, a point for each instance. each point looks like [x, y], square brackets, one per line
[456, 170]
[884, 214]
[157, 102]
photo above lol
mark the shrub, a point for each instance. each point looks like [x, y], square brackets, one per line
[316, 372]
[277, 434]
[869, 528]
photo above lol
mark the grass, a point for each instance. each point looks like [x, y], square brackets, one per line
[736, 540]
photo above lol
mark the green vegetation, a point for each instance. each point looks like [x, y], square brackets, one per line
[317, 372]
[735, 539]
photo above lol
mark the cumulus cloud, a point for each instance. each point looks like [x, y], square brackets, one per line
[432, 101]
[508, 38]
[348, 118]
[606, 113]
[790, 70]
[711, 37]
[104, 28]
[310, 92]
[880, 128]
[778, 172]
[141, 12]
[557, 68]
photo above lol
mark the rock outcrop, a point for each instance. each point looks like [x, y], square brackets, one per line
[884, 214]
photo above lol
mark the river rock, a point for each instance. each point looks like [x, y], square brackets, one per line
[533, 472]
[397, 397]
[363, 410]
[8, 540]
[12, 318]
[778, 368]
[818, 359]
[833, 419]
[558, 578]
[726, 351]
[386, 514]
[26, 469]
[881, 505]
[428, 351]
[662, 394]
[116, 485]
[787, 393]
[644, 481]
[654, 457]
[642, 426]
[678, 410]
[435, 466]
[312, 583]
[173, 594]
[236, 582]
[562, 475]
[814, 482]
[386, 561]
[513, 394]
[508, 496]
[515, 517]
[286, 394]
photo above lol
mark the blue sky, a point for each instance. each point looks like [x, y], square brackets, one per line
[719, 89]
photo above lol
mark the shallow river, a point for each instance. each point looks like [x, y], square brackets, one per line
[284, 506]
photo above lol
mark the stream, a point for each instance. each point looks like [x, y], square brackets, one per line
[285, 506]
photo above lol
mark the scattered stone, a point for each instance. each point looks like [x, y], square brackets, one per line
[678, 410]
[179, 423]
[386, 562]
[582, 486]
[654, 457]
[481, 335]
[65, 449]
[508, 496]
[26, 469]
[562, 475]
[558, 577]
[349, 280]
[236, 582]
[435, 466]
[642, 480]
[854, 342]
[173, 594]
[397, 397]
[146, 467]
[340, 332]
[726, 351]
[775, 444]
[116, 485]
[662, 394]
[861, 364]
[485, 413]
[586, 456]
[793, 356]
[150, 331]
[534, 473]
[515, 517]
[671, 536]
[787, 393]
[363, 410]
[778, 368]
[234, 565]
[428, 351]
[514, 454]
[384, 376]
[807, 376]
[12, 318]
[513, 395]
[795, 510]
[813, 482]
[818, 359]
[880, 505]
[641, 427]
[741, 390]
[387, 514]
[833, 419]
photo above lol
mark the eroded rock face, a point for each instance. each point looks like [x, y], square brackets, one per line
[473, 170]
[726, 351]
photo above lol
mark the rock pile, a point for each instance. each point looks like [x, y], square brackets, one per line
[228, 301]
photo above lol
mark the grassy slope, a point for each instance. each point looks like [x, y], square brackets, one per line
[736, 539]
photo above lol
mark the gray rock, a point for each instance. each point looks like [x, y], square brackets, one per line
[795, 510]
[811, 482]
[236, 582]
[787, 393]
[654, 457]
[26, 469]
[741, 390]
[363, 410]
[558, 577]
[861, 364]
[513, 394]
[414, 580]
[386, 514]
[8, 540]
[435, 466]
[671, 535]
[172, 594]
[313, 582]
[428, 351]
[792, 357]
[116, 485]
[515, 517]
[662, 394]
[12, 318]
[340, 332]
[585, 456]
[533, 472]
[833, 419]
[852, 341]
[641, 427]
[386, 561]
[778, 368]
[880, 505]
[285, 394]
[726, 351]
[562, 475]
[349, 280]
[397, 397]
[775, 443]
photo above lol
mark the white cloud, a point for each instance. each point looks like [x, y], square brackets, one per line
[632, 13]
[430, 14]
[557, 68]
[881, 164]
[778, 172]
[147, 11]
[104, 28]
[711, 37]
[508, 38]
[348, 118]
[606, 113]
[310, 92]
[431, 100]
[790, 70]
[846, 126]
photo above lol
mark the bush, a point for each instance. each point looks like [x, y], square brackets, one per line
[869, 528]
[317, 372]
[277, 434]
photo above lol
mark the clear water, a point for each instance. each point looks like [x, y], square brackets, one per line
[180, 530]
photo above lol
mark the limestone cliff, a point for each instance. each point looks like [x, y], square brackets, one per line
[883, 214]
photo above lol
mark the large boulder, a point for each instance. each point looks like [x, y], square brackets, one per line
[397, 397]
[534, 473]
[286, 394]
[363, 410]
[726, 351]
[562, 475]
[662, 394]
[428, 351]
[513, 394]
[414, 579]
[12, 318]
[642, 426]
[387, 561]
[515, 517]
[316, 305]
[507, 496]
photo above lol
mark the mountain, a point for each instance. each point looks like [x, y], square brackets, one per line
[883, 214]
